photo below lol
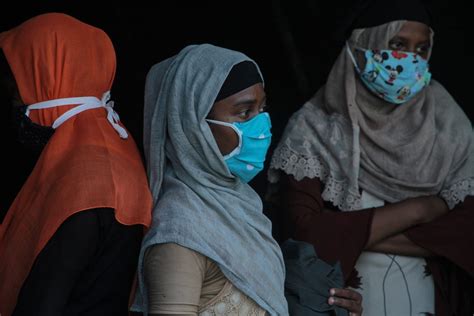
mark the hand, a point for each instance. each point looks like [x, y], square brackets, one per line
[348, 299]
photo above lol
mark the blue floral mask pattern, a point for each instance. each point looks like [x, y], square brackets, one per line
[394, 76]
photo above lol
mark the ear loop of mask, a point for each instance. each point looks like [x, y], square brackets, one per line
[353, 58]
[237, 149]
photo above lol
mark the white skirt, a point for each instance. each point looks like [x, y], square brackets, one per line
[395, 285]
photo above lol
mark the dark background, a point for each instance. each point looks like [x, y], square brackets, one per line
[292, 41]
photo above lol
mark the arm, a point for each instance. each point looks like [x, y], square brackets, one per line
[440, 230]
[342, 236]
[60, 265]
[173, 277]
[391, 220]
[336, 236]
[409, 213]
[400, 245]
[450, 236]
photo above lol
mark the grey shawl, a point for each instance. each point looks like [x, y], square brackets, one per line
[351, 140]
[198, 203]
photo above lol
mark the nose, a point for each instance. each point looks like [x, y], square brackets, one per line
[412, 48]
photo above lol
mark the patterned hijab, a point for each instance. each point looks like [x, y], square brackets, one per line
[353, 140]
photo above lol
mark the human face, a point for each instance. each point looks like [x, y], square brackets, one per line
[413, 37]
[239, 107]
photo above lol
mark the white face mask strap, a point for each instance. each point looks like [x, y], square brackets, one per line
[236, 151]
[220, 123]
[59, 102]
[239, 133]
[74, 111]
[352, 57]
[84, 103]
[113, 116]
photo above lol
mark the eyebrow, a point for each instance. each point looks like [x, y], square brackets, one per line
[248, 101]
[403, 38]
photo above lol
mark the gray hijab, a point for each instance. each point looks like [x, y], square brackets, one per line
[198, 203]
[351, 139]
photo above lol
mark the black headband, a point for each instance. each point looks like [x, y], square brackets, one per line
[377, 12]
[241, 76]
[371, 13]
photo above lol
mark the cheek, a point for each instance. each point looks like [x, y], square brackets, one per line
[360, 59]
[226, 138]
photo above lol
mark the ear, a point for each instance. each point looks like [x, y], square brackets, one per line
[399, 68]
[388, 67]
[385, 55]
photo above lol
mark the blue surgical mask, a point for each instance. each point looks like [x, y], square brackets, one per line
[247, 159]
[394, 76]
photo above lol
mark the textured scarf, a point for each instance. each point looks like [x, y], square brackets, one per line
[199, 204]
[351, 139]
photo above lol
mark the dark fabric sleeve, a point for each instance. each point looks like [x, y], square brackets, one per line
[451, 237]
[336, 236]
[58, 266]
[86, 268]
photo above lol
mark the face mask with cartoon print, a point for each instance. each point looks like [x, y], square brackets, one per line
[394, 76]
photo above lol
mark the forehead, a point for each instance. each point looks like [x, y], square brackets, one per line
[254, 91]
[414, 30]
[250, 95]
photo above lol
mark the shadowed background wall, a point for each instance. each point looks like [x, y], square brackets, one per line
[292, 41]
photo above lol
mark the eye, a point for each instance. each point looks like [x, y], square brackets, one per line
[422, 49]
[396, 44]
[244, 114]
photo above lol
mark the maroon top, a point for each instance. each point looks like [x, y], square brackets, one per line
[342, 236]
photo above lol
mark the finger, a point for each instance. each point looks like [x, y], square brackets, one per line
[350, 305]
[346, 293]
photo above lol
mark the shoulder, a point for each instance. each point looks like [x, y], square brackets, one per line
[447, 109]
[444, 100]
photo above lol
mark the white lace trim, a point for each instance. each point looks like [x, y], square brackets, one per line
[300, 166]
[457, 192]
[232, 302]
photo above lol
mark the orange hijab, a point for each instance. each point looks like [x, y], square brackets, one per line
[86, 164]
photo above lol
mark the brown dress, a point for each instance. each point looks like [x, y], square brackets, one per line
[342, 236]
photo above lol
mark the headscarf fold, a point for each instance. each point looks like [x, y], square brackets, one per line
[199, 204]
[85, 164]
[353, 140]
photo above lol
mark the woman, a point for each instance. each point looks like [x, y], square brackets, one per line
[210, 249]
[377, 170]
[69, 241]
